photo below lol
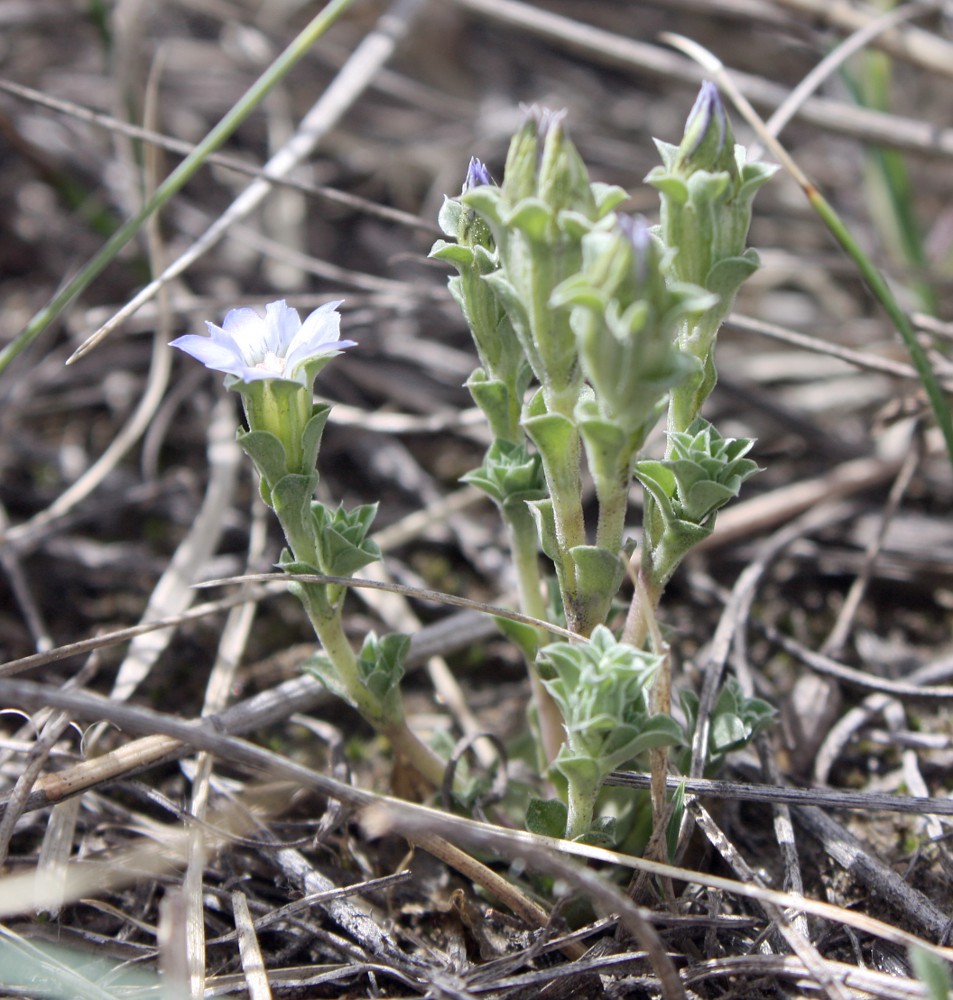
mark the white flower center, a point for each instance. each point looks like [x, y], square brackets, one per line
[271, 362]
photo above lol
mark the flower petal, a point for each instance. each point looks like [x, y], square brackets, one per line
[477, 175]
[252, 347]
[221, 357]
[249, 333]
[319, 334]
[322, 325]
[283, 324]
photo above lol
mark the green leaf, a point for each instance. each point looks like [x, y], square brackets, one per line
[547, 817]
[602, 833]
[533, 217]
[689, 702]
[933, 972]
[321, 667]
[314, 366]
[291, 500]
[675, 820]
[493, 398]
[658, 731]
[292, 495]
[524, 636]
[342, 538]
[552, 433]
[704, 498]
[292, 566]
[659, 480]
[729, 274]
[584, 772]
[311, 436]
[604, 440]
[599, 574]
[381, 667]
[268, 454]
[598, 570]
[487, 201]
[510, 474]
[728, 732]
[542, 511]
[671, 187]
[607, 197]
[448, 218]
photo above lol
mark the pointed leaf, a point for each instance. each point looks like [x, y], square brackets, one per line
[268, 454]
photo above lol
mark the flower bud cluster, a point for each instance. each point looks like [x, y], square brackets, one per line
[537, 218]
[626, 316]
[706, 189]
[498, 385]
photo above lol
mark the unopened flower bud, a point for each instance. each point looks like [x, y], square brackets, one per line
[477, 175]
[708, 143]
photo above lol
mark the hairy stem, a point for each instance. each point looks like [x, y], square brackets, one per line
[640, 620]
[581, 802]
[524, 546]
[328, 626]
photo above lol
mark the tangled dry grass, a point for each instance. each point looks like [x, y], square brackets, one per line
[180, 799]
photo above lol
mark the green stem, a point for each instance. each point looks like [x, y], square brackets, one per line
[301, 541]
[681, 411]
[525, 549]
[567, 506]
[687, 399]
[330, 631]
[581, 803]
[557, 440]
[549, 264]
[407, 744]
[563, 475]
[640, 622]
[612, 492]
[612, 507]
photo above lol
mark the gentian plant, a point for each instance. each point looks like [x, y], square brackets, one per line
[589, 326]
[272, 362]
[617, 322]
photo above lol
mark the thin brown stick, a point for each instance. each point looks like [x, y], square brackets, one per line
[409, 819]
[608, 48]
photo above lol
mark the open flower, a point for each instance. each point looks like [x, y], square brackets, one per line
[249, 346]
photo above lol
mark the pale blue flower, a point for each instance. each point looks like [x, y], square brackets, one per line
[250, 347]
[477, 175]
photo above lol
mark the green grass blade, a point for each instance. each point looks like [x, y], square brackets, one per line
[177, 179]
[881, 290]
[890, 180]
